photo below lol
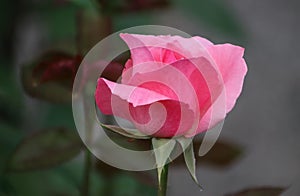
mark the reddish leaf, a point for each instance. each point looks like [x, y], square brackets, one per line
[51, 91]
[51, 77]
[57, 66]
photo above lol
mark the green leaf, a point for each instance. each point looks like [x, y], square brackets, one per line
[189, 157]
[261, 191]
[131, 133]
[45, 149]
[162, 150]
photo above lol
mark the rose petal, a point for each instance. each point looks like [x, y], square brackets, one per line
[139, 52]
[214, 115]
[163, 119]
[194, 82]
[127, 72]
[232, 66]
[147, 40]
[215, 84]
[204, 42]
[190, 79]
[132, 94]
[204, 79]
[187, 47]
[169, 56]
[141, 107]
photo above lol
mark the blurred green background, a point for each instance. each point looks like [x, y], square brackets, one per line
[42, 44]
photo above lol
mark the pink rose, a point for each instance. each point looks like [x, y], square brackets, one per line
[174, 86]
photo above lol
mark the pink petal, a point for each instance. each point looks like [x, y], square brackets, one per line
[156, 53]
[169, 56]
[194, 82]
[106, 90]
[204, 42]
[139, 52]
[163, 119]
[148, 40]
[208, 87]
[141, 68]
[127, 71]
[194, 79]
[215, 114]
[142, 107]
[232, 66]
[163, 55]
[204, 79]
[198, 79]
[187, 47]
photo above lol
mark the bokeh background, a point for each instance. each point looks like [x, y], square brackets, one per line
[42, 43]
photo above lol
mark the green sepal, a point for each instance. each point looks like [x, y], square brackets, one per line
[131, 133]
[162, 150]
[189, 157]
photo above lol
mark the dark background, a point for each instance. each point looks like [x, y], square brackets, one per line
[263, 127]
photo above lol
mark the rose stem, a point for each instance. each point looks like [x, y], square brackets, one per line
[162, 187]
